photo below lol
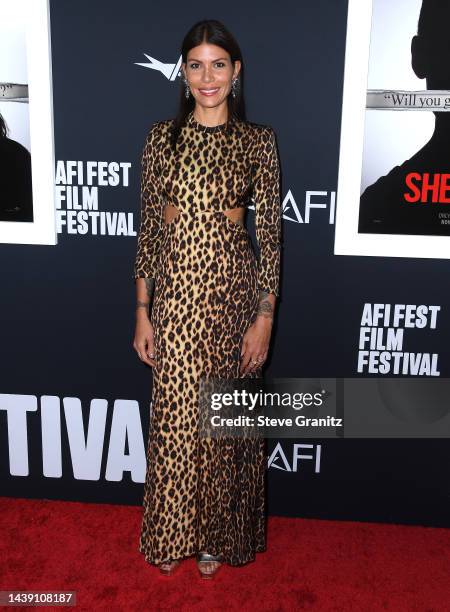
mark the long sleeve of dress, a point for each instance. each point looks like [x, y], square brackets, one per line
[152, 208]
[266, 197]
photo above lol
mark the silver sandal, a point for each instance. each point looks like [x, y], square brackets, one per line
[204, 557]
[167, 568]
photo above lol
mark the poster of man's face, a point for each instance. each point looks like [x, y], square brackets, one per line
[26, 124]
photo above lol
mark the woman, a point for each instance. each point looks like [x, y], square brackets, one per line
[212, 306]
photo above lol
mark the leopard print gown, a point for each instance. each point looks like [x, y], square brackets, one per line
[203, 494]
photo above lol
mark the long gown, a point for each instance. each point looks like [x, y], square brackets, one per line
[202, 494]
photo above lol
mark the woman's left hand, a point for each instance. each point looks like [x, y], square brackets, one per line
[255, 345]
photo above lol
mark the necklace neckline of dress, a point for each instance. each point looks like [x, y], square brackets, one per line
[209, 129]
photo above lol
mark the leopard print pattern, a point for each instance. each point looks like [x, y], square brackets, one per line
[202, 493]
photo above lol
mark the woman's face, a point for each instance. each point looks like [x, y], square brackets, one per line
[209, 73]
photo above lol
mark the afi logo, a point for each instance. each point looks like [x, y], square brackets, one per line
[314, 200]
[279, 461]
[170, 71]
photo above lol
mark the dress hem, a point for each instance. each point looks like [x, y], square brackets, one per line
[227, 561]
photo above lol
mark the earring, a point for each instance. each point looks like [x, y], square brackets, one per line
[234, 87]
[187, 91]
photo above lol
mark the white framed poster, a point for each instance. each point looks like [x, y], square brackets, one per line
[27, 168]
[393, 196]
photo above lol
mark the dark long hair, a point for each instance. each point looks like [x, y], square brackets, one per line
[215, 33]
[3, 127]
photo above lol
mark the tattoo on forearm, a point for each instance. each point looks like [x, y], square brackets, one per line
[265, 308]
[149, 284]
[140, 304]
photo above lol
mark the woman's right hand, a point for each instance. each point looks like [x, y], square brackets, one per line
[144, 341]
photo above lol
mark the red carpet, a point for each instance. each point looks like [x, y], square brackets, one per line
[309, 565]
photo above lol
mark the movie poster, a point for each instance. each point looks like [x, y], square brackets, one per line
[405, 186]
[27, 184]
[16, 202]
[394, 173]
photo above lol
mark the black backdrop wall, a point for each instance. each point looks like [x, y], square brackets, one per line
[68, 311]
